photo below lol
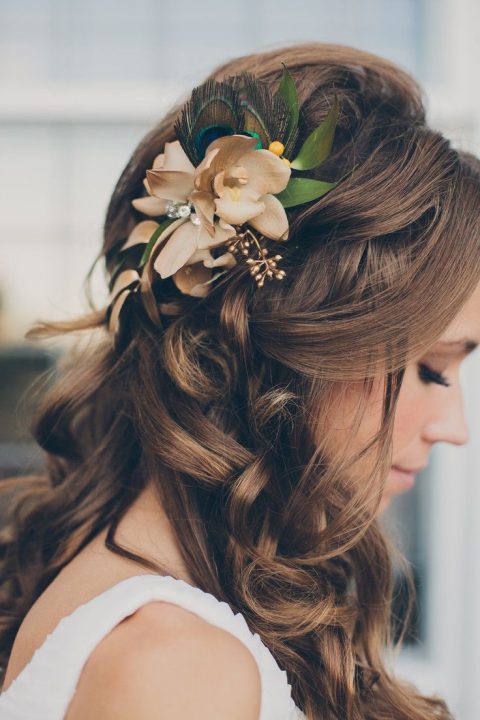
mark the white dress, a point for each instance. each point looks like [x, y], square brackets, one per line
[45, 687]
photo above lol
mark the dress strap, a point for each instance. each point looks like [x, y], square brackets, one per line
[45, 687]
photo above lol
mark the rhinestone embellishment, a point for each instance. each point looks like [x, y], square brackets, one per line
[178, 209]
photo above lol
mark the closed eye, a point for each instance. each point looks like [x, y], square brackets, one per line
[427, 375]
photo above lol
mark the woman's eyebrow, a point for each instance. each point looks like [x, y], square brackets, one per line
[465, 345]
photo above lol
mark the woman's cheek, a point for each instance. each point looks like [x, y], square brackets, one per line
[409, 416]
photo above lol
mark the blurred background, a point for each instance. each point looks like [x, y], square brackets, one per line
[81, 81]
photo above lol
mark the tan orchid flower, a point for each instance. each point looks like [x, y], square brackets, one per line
[123, 286]
[233, 185]
[193, 248]
[185, 244]
[238, 184]
[195, 278]
[171, 180]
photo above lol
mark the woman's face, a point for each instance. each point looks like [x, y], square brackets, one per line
[430, 407]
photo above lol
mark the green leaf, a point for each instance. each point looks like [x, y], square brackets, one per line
[303, 190]
[288, 91]
[318, 145]
[155, 235]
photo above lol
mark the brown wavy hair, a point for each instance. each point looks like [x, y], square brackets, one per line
[225, 408]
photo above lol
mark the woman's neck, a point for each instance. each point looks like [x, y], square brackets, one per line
[146, 530]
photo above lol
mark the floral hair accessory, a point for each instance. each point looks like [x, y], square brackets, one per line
[219, 189]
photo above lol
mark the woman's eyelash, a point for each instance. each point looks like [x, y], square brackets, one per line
[428, 375]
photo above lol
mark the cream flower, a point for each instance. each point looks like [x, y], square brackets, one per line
[238, 184]
[187, 253]
[172, 174]
[189, 245]
[186, 241]
[233, 185]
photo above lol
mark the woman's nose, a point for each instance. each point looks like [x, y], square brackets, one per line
[447, 420]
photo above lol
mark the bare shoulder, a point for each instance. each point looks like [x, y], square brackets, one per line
[164, 662]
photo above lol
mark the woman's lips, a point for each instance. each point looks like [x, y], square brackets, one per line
[403, 479]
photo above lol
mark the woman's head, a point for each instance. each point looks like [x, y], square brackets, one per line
[250, 409]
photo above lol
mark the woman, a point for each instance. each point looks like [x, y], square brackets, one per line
[207, 533]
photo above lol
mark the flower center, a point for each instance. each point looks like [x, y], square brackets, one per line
[235, 193]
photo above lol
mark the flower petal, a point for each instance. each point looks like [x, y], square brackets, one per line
[234, 209]
[273, 222]
[158, 162]
[207, 160]
[222, 232]
[170, 184]
[150, 205]
[141, 233]
[124, 280]
[116, 308]
[149, 302]
[176, 158]
[224, 225]
[218, 184]
[266, 172]
[201, 255]
[227, 149]
[177, 250]
[203, 289]
[226, 260]
[169, 230]
[203, 173]
[204, 207]
[232, 147]
[187, 277]
[147, 277]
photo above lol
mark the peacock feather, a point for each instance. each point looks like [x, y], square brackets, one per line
[212, 111]
[245, 105]
[265, 115]
[241, 105]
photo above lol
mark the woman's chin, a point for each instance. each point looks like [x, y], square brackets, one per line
[398, 482]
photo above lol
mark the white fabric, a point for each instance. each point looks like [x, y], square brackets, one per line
[45, 687]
